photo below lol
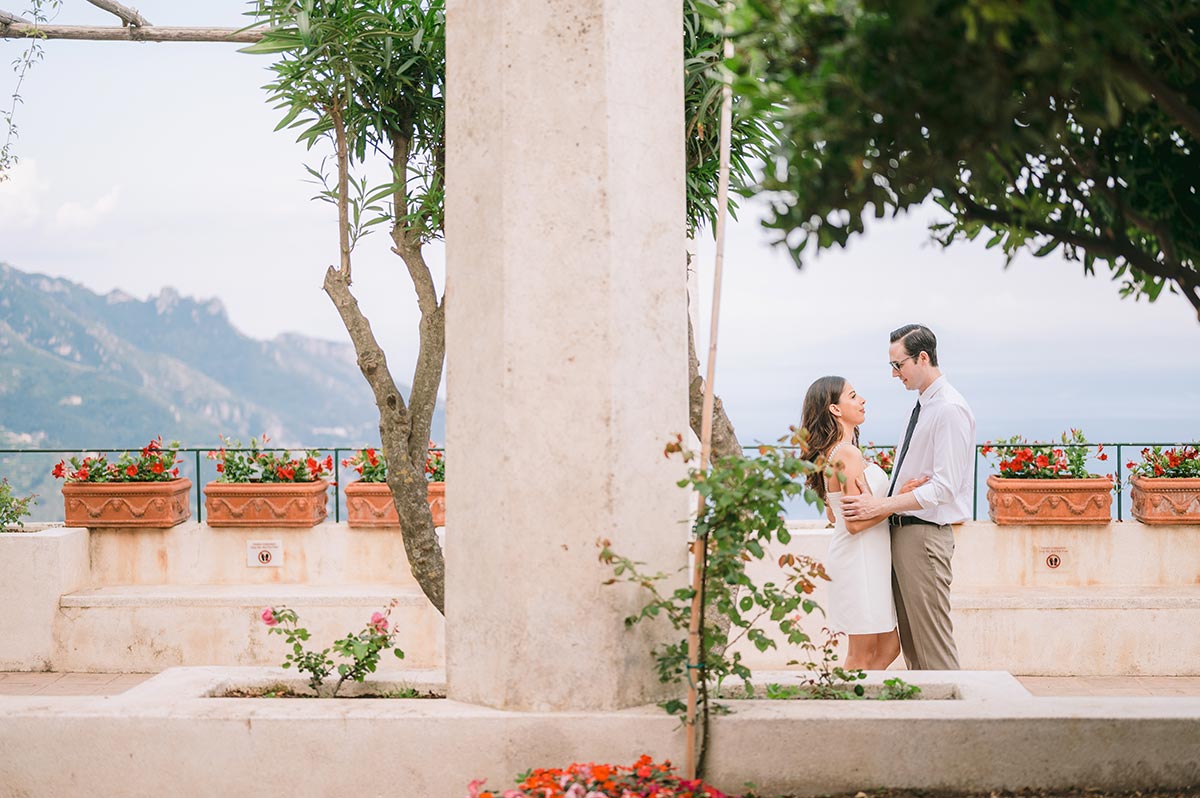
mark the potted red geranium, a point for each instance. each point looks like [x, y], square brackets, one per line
[1165, 485]
[1046, 483]
[256, 486]
[369, 500]
[136, 490]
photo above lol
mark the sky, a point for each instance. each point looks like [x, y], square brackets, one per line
[145, 166]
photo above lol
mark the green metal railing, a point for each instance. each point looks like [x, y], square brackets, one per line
[1118, 466]
[198, 455]
[338, 451]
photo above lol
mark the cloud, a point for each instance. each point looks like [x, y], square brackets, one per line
[77, 216]
[19, 196]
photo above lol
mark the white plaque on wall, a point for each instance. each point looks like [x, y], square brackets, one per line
[264, 553]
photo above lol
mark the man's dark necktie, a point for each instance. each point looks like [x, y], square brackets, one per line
[912, 423]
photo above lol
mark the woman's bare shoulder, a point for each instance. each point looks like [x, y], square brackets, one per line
[847, 457]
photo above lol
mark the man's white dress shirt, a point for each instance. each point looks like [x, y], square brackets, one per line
[942, 448]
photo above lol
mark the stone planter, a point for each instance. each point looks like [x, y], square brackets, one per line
[1050, 501]
[369, 504]
[1163, 500]
[274, 504]
[154, 505]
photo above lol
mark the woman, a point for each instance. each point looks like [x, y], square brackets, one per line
[860, 554]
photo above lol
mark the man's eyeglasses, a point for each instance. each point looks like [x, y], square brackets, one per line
[896, 364]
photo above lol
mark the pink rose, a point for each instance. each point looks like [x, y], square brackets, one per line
[268, 617]
[379, 623]
[473, 788]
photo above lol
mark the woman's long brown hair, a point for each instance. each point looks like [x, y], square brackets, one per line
[824, 430]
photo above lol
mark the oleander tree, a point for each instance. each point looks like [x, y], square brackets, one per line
[1043, 126]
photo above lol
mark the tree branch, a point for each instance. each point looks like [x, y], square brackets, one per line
[12, 19]
[431, 360]
[128, 16]
[1175, 104]
[149, 33]
[1187, 280]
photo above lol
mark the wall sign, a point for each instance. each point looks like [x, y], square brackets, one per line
[1052, 558]
[264, 553]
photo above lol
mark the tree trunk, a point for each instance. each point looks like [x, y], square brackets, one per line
[405, 473]
[407, 483]
[724, 439]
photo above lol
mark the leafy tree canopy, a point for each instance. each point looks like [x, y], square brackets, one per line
[1042, 123]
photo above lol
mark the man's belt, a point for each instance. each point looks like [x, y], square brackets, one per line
[908, 520]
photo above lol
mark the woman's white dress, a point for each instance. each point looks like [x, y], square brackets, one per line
[860, 569]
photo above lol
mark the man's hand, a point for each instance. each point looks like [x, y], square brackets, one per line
[865, 505]
[862, 506]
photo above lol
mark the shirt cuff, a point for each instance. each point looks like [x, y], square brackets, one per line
[926, 496]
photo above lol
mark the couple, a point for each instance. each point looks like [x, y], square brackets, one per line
[890, 555]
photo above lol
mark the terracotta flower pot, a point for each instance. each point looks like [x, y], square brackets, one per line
[369, 504]
[292, 504]
[1164, 500]
[1050, 501]
[437, 502]
[155, 505]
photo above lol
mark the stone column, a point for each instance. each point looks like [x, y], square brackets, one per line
[566, 343]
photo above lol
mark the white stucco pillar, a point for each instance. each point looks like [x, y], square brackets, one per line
[566, 343]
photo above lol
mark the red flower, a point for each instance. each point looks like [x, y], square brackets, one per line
[157, 468]
[174, 472]
[312, 465]
[1130, 465]
[1158, 470]
[1102, 457]
[82, 474]
[60, 470]
[131, 470]
[220, 468]
[1043, 461]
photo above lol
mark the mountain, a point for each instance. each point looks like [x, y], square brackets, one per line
[81, 370]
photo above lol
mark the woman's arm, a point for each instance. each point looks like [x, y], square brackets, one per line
[849, 468]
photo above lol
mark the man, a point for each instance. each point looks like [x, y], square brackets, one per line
[939, 443]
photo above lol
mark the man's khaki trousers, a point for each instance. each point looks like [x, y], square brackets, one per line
[921, 579]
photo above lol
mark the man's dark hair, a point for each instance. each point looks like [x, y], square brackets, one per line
[917, 339]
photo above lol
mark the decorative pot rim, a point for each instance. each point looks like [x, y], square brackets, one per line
[1165, 483]
[162, 486]
[995, 480]
[237, 487]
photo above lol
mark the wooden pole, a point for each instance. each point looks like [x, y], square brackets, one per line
[700, 546]
[132, 33]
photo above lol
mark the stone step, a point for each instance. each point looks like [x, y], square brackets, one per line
[1080, 631]
[145, 628]
[1098, 597]
[1058, 631]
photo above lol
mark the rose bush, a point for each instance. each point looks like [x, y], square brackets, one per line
[362, 649]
